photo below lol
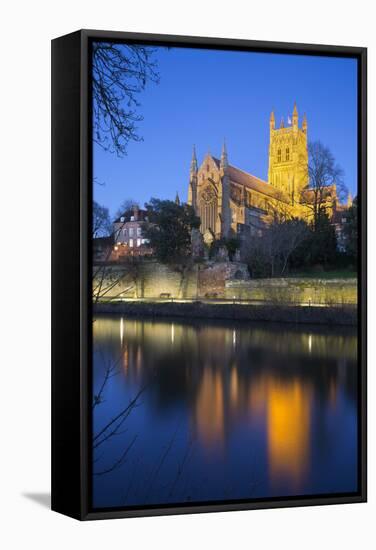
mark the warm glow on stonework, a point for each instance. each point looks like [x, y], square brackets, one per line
[226, 197]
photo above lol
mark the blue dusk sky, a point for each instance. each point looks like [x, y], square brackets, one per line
[205, 96]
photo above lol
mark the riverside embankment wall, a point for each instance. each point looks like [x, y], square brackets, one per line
[339, 315]
[223, 280]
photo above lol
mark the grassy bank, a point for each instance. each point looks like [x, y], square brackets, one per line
[335, 274]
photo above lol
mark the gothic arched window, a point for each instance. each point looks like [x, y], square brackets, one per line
[279, 155]
[287, 154]
[208, 209]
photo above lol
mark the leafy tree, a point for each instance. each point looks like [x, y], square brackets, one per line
[101, 221]
[169, 229]
[322, 250]
[120, 73]
[319, 247]
[351, 230]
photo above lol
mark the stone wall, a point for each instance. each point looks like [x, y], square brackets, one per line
[213, 277]
[145, 279]
[223, 280]
[295, 290]
[155, 279]
[150, 279]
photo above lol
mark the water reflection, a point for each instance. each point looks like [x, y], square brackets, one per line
[288, 416]
[227, 411]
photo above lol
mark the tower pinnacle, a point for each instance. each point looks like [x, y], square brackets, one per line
[272, 121]
[224, 159]
[194, 161]
[295, 117]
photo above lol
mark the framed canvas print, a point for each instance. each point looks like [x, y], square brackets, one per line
[209, 274]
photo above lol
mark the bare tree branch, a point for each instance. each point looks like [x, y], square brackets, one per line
[118, 462]
[326, 185]
[119, 74]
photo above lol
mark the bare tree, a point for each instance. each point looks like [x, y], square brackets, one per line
[126, 207]
[104, 277]
[101, 221]
[325, 181]
[114, 280]
[109, 279]
[290, 235]
[269, 253]
[119, 74]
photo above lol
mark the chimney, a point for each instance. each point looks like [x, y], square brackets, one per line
[135, 212]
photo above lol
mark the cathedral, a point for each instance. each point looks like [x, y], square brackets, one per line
[230, 201]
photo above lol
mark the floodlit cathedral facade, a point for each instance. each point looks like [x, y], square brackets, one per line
[230, 201]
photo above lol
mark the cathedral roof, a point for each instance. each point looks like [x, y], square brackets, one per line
[248, 180]
[252, 182]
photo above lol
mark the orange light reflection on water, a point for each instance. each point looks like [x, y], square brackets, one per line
[288, 428]
[209, 409]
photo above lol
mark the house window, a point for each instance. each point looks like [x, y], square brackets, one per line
[131, 231]
[279, 155]
[138, 242]
[131, 243]
[138, 231]
[124, 232]
[287, 154]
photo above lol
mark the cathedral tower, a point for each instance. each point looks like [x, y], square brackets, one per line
[288, 157]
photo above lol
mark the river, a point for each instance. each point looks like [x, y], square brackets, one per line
[208, 411]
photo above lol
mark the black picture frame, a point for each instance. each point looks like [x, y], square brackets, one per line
[71, 254]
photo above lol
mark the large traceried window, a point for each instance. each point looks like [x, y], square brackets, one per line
[208, 209]
[279, 155]
[287, 154]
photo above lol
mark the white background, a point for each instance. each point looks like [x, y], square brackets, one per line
[26, 29]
